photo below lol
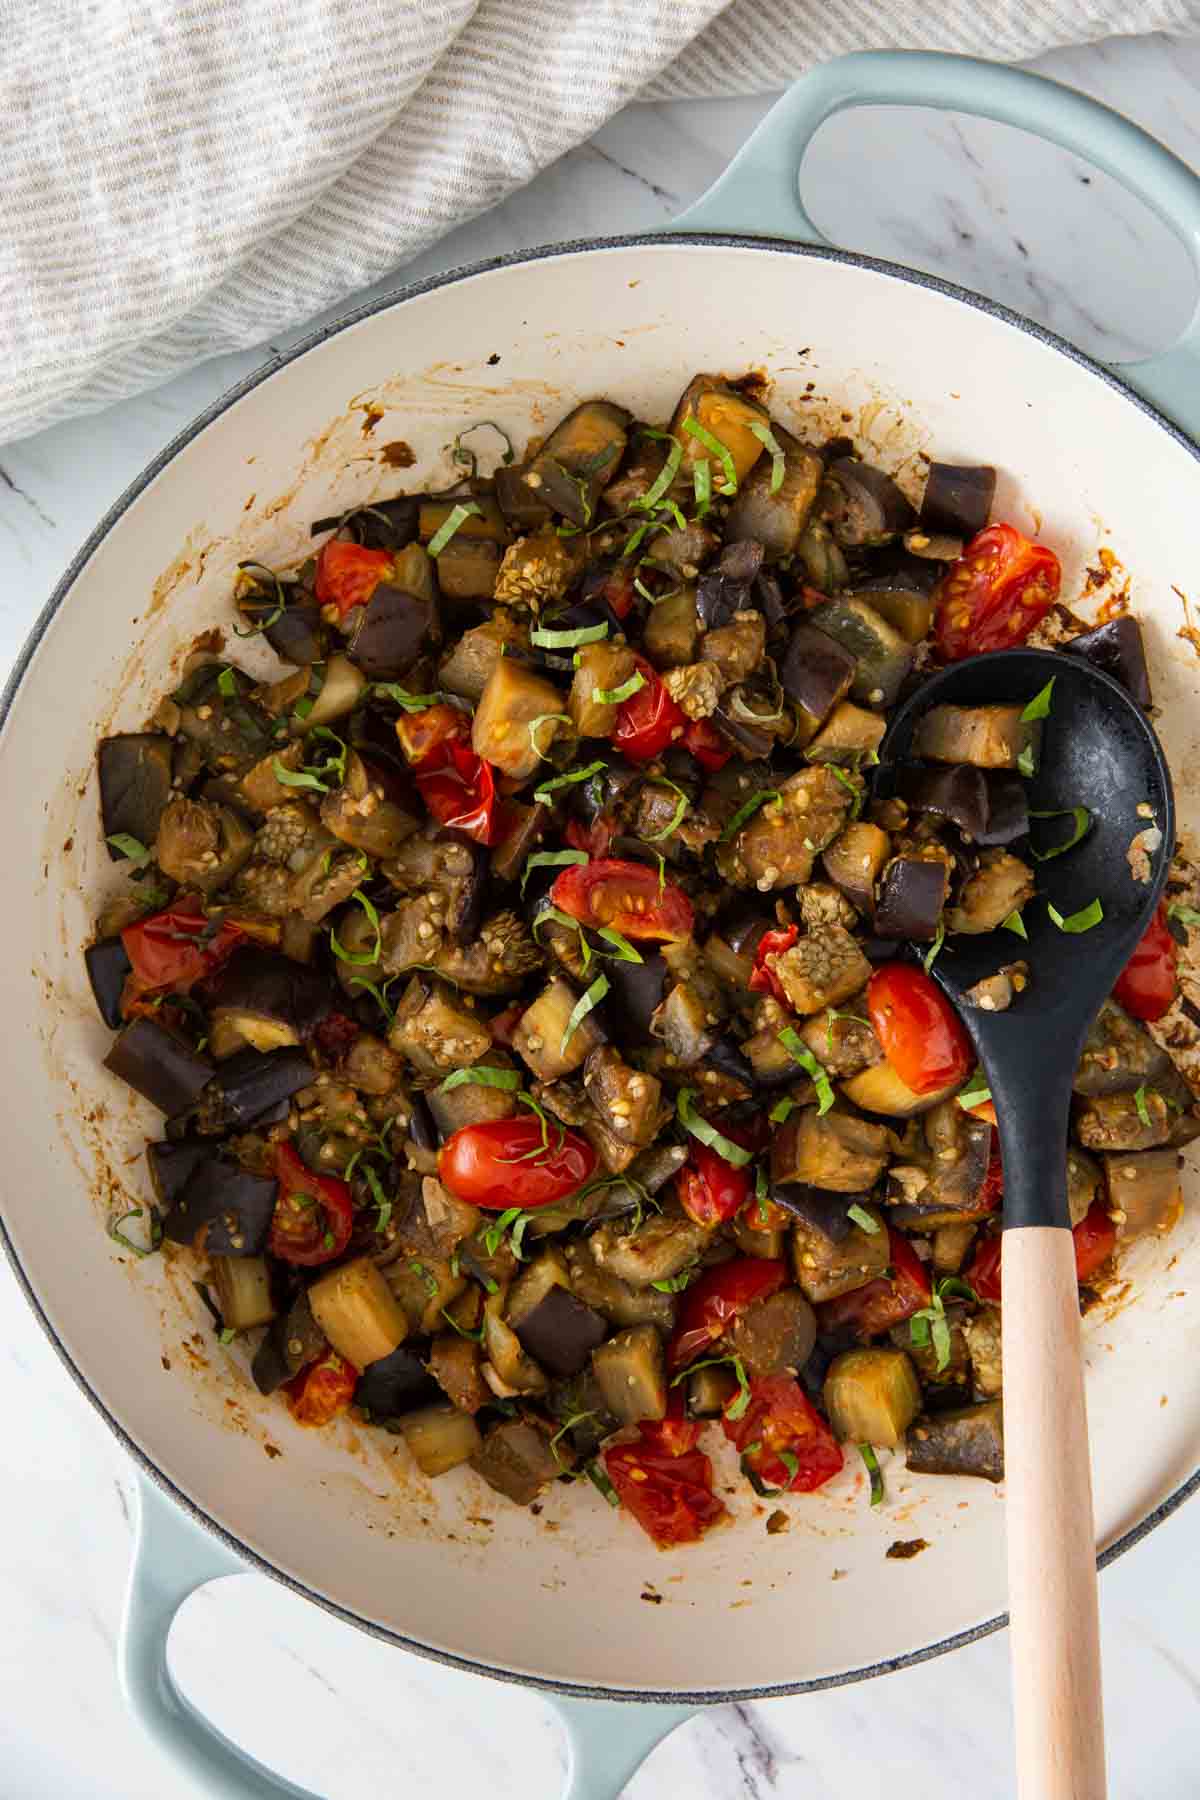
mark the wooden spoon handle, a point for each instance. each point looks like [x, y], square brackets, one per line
[1055, 1632]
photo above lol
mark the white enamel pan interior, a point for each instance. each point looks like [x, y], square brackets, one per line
[558, 1597]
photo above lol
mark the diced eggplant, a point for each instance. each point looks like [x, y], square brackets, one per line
[776, 847]
[726, 590]
[725, 414]
[826, 1267]
[737, 649]
[200, 845]
[991, 808]
[473, 1103]
[966, 1440]
[996, 993]
[837, 1151]
[243, 1291]
[603, 668]
[540, 568]
[171, 1168]
[984, 1347]
[907, 610]
[1144, 1193]
[709, 1391]
[950, 1246]
[396, 1383]
[359, 812]
[816, 672]
[391, 632]
[848, 735]
[434, 1031]
[540, 1038]
[488, 522]
[517, 1372]
[293, 1340]
[454, 866]
[681, 1023]
[656, 1250]
[882, 657]
[985, 737]
[1116, 1122]
[266, 1000]
[135, 772]
[358, 1312]
[522, 506]
[844, 1044]
[822, 557]
[872, 1396]
[774, 1336]
[879, 1089]
[298, 635]
[627, 1099]
[249, 1086]
[231, 1207]
[632, 1373]
[536, 1280]
[1118, 1055]
[1083, 1182]
[159, 1065]
[455, 1364]
[854, 860]
[561, 1332]
[951, 1384]
[579, 459]
[912, 893]
[958, 498]
[861, 505]
[821, 970]
[618, 1301]
[465, 670]
[108, 965]
[1118, 650]
[431, 1223]
[440, 1438]
[467, 569]
[229, 732]
[672, 632]
[515, 1458]
[776, 515]
[513, 698]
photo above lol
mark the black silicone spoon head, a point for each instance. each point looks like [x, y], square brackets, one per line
[1099, 751]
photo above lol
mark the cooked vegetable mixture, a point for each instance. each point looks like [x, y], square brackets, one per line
[536, 989]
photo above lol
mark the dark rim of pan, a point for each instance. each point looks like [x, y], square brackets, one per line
[315, 338]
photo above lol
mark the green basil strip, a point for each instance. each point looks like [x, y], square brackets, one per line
[535, 726]
[467, 458]
[155, 1227]
[481, 1075]
[600, 1481]
[973, 1091]
[874, 1471]
[1082, 825]
[666, 476]
[1187, 915]
[550, 859]
[673, 824]
[931, 955]
[582, 1008]
[1014, 923]
[399, 696]
[708, 1134]
[227, 684]
[1139, 1100]
[702, 481]
[795, 1046]
[703, 436]
[131, 848]
[378, 994]
[625, 951]
[1083, 920]
[626, 691]
[781, 1109]
[863, 1219]
[857, 790]
[547, 639]
[360, 958]
[1025, 761]
[1039, 706]
[561, 781]
[458, 517]
[736, 1407]
[384, 1215]
[747, 811]
[769, 441]
[298, 778]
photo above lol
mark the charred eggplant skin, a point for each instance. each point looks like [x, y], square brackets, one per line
[135, 772]
[108, 965]
[223, 1206]
[159, 1065]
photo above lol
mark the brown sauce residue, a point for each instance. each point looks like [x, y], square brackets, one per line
[371, 418]
[1187, 631]
[398, 455]
[905, 1548]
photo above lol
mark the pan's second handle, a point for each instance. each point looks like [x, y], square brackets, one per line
[1053, 1610]
[172, 1558]
[610, 1740]
[759, 192]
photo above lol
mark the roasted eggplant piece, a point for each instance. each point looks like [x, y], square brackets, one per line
[726, 414]
[882, 657]
[222, 1208]
[359, 812]
[986, 737]
[242, 1285]
[1000, 886]
[159, 1065]
[836, 1150]
[263, 1000]
[108, 966]
[540, 1038]
[1118, 650]
[202, 846]
[816, 672]
[861, 505]
[523, 507]
[514, 702]
[775, 1336]
[171, 1168]
[827, 1266]
[135, 771]
[358, 1312]
[849, 735]
[467, 569]
[1144, 1192]
[958, 498]
[251, 1086]
[440, 1438]
[298, 635]
[579, 459]
[631, 1370]
[855, 860]
[991, 808]
[391, 632]
[879, 1089]
[872, 1396]
[966, 1440]
[820, 971]
[775, 515]
[434, 1031]
[561, 1332]
[293, 1340]
[1119, 1056]
[396, 1384]
[515, 1458]
[912, 893]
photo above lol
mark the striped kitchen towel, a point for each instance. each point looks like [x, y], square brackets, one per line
[183, 177]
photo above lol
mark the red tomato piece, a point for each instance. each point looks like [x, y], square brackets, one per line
[711, 1304]
[626, 895]
[782, 1438]
[424, 736]
[890, 1300]
[702, 739]
[669, 1495]
[322, 1390]
[922, 1036]
[1095, 1240]
[710, 1190]
[461, 792]
[171, 950]
[675, 1435]
[983, 1272]
[348, 574]
[314, 1214]
[505, 1163]
[619, 590]
[594, 839]
[764, 980]
[649, 720]
[994, 594]
[1147, 985]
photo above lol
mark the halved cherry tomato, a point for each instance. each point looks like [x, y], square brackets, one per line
[424, 735]
[922, 1036]
[702, 739]
[348, 574]
[992, 1192]
[674, 1435]
[994, 594]
[890, 1300]
[322, 1390]
[710, 1190]
[1147, 985]
[461, 792]
[1095, 1239]
[625, 895]
[171, 950]
[649, 720]
[593, 839]
[505, 1163]
[782, 1438]
[764, 980]
[983, 1271]
[669, 1495]
[711, 1304]
[314, 1214]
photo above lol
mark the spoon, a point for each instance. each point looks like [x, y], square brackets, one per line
[1098, 750]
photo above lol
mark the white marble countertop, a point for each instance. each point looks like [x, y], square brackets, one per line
[319, 1701]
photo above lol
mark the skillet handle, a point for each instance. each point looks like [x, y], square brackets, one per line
[759, 192]
[172, 1558]
[610, 1741]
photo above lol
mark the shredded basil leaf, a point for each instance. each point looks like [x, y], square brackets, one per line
[1187, 915]
[1083, 920]
[155, 1229]
[559, 781]
[476, 1337]
[1015, 923]
[625, 951]
[666, 476]
[713, 444]
[708, 1134]
[862, 1218]
[702, 482]
[675, 1284]
[832, 1013]
[361, 959]
[681, 806]
[481, 1075]
[857, 790]
[298, 778]
[131, 848]
[582, 1008]
[458, 517]
[931, 955]
[974, 1091]
[550, 859]
[535, 726]
[769, 441]
[600, 1481]
[227, 684]
[626, 691]
[378, 994]
[467, 459]
[736, 1408]
[795, 1046]
[384, 1215]
[869, 1457]
[1139, 1100]
[747, 811]
[1025, 761]
[1039, 706]
[547, 639]
[399, 696]
[781, 1109]
[1082, 825]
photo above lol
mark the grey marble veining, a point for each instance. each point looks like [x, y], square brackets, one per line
[322, 1703]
